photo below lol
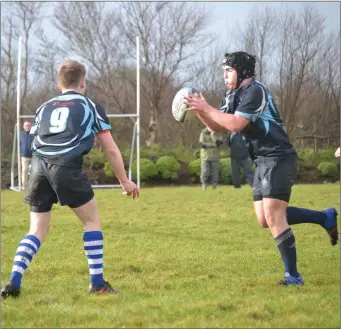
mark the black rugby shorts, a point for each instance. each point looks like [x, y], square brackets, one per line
[50, 183]
[274, 177]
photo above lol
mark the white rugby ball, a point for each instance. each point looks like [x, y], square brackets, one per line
[179, 108]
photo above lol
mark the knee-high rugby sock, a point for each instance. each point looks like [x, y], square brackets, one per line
[26, 250]
[287, 247]
[302, 215]
[93, 247]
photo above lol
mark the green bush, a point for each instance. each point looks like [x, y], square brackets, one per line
[95, 159]
[168, 167]
[182, 154]
[195, 167]
[152, 152]
[312, 158]
[147, 170]
[224, 153]
[107, 169]
[197, 153]
[126, 155]
[327, 168]
[225, 171]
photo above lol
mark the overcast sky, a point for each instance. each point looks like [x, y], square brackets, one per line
[227, 14]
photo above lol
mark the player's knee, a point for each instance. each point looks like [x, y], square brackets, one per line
[262, 222]
[275, 213]
[270, 220]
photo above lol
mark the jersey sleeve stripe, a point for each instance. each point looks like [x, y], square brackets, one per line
[103, 132]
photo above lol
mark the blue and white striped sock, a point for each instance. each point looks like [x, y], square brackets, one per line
[27, 248]
[93, 247]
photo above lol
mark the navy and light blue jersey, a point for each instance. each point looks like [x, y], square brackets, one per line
[65, 126]
[265, 132]
[227, 103]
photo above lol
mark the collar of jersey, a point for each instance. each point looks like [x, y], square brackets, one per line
[246, 86]
[71, 92]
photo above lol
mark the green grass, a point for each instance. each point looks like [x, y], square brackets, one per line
[182, 258]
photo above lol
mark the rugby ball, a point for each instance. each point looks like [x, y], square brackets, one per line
[179, 108]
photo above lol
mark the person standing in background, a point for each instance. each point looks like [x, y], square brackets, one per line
[210, 156]
[240, 158]
[26, 152]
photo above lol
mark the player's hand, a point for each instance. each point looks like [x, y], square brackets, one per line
[337, 152]
[130, 188]
[196, 103]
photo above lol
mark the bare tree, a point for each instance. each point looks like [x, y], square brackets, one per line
[27, 15]
[95, 37]
[321, 118]
[300, 40]
[18, 19]
[257, 36]
[171, 35]
[8, 79]
[208, 73]
[106, 39]
[45, 63]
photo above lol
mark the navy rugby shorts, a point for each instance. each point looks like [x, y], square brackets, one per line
[274, 177]
[50, 183]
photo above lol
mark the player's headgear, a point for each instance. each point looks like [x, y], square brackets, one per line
[242, 62]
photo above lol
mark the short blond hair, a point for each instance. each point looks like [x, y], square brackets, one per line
[70, 74]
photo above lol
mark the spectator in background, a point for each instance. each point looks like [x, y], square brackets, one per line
[25, 152]
[240, 158]
[210, 156]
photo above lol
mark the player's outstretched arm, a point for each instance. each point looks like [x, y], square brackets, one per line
[213, 118]
[210, 123]
[116, 161]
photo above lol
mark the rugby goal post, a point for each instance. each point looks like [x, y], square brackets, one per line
[135, 137]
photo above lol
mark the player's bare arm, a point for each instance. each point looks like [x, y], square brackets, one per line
[213, 118]
[209, 123]
[116, 162]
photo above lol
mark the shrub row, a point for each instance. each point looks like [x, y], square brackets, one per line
[182, 165]
[168, 168]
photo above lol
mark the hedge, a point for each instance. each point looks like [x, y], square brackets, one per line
[168, 167]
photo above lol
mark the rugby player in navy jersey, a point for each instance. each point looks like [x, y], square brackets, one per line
[64, 129]
[253, 112]
[327, 219]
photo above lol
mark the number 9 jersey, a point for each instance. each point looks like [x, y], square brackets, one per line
[65, 127]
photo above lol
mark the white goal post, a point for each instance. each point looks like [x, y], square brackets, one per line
[135, 137]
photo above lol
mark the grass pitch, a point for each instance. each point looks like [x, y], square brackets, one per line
[181, 257]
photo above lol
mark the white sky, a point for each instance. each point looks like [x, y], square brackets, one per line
[228, 14]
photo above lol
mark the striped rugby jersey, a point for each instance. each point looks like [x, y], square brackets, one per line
[64, 128]
[266, 132]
